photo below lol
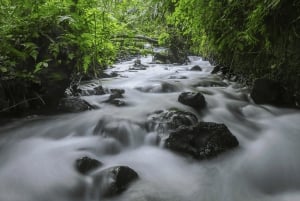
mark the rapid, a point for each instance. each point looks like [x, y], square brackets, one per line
[37, 153]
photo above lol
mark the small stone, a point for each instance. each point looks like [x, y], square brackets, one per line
[85, 164]
[196, 68]
[193, 99]
[115, 180]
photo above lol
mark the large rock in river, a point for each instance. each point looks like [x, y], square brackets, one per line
[163, 121]
[193, 99]
[196, 68]
[74, 104]
[86, 164]
[202, 141]
[115, 180]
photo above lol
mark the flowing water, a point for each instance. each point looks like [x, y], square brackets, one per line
[37, 154]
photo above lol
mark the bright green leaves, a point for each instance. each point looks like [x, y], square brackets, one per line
[31, 49]
[41, 65]
[3, 69]
[164, 39]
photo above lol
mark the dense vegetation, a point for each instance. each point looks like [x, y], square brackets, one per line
[44, 44]
[251, 38]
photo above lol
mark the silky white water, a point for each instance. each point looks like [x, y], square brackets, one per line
[37, 154]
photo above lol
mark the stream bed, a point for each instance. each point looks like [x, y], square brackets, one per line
[38, 153]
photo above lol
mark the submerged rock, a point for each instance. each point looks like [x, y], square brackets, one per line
[115, 180]
[115, 95]
[138, 65]
[117, 102]
[162, 87]
[122, 130]
[211, 82]
[178, 77]
[85, 164]
[165, 121]
[196, 68]
[202, 141]
[74, 104]
[118, 92]
[193, 99]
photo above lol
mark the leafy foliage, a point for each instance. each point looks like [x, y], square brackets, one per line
[255, 38]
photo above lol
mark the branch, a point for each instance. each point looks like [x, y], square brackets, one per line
[24, 101]
[141, 37]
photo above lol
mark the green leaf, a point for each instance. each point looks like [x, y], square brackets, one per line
[3, 69]
[39, 66]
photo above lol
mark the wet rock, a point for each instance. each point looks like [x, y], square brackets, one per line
[98, 90]
[121, 130]
[220, 69]
[138, 65]
[115, 95]
[162, 58]
[202, 141]
[115, 180]
[216, 69]
[107, 75]
[85, 164]
[137, 69]
[178, 77]
[211, 82]
[193, 99]
[196, 68]
[117, 102]
[74, 104]
[266, 91]
[164, 121]
[163, 87]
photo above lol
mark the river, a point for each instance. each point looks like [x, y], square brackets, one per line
[38, 152]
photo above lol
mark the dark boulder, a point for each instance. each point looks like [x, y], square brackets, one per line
[178, 77]
[164, 121]
[196, 68]
[115, 95]
[193, 99]
[115, 180]
[98, 90]
[202, 141]
[162, 58]
[216, 69]
[266, 91]
[74, 104]
[106, 75]
[220, 69]
[85, 164]
[138, 65]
